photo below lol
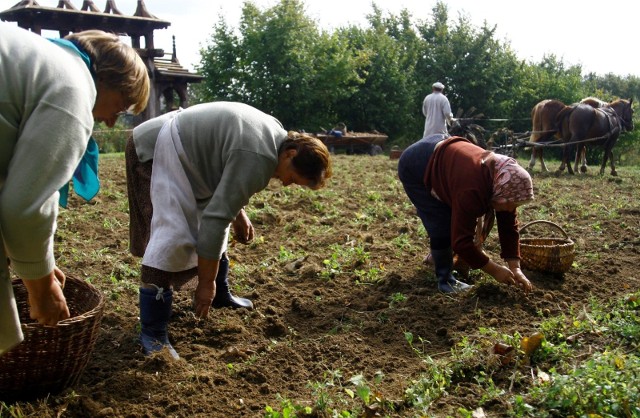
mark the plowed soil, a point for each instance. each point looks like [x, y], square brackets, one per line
[337, 280]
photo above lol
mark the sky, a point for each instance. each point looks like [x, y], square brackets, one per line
[601, 39]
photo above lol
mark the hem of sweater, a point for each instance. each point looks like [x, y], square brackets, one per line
[212, 253]
[478, 264]
[212, 245]
[12, 341]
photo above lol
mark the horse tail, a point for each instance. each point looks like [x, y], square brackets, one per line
[534, 123]
[562, 121]
[543, 116]
[536, 119]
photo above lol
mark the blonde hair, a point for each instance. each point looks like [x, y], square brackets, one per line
[312, 160]
[117, 65]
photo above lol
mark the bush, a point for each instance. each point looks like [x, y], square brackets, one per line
[112, 139]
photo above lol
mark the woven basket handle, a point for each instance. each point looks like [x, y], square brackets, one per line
[545, 222]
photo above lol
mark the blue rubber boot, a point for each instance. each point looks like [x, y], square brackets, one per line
[443, 261]
[155, 311]
[223, 297]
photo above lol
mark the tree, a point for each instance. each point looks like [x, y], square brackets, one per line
[221, 66]
[375, 77]
[386, 53]
[280, 63]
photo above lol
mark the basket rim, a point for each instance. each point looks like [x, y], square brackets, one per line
[559, 242]
[544, 221]
[96, 310]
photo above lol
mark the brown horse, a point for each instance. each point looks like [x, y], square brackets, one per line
[581, 123]
[544, 129]
[596, 103]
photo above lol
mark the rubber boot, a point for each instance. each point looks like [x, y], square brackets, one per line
[155, 311]
[223, 297]
[443, 261]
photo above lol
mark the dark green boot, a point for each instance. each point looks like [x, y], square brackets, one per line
[443, 261]
[223, 297]
[155, 311]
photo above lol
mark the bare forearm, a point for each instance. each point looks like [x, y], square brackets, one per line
[206, 289]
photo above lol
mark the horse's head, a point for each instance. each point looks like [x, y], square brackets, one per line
[624, 110]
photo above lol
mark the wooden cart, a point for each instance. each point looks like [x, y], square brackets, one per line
[355, 142]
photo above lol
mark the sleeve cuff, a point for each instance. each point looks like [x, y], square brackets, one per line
[32, 271]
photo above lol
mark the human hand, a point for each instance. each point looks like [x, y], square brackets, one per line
[500, 273]
[243, 231]
[203, 297]
[521, 279]
[47, 303]
[206, 289]
[504, 275]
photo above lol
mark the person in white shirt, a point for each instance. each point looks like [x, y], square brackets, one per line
[437, 111]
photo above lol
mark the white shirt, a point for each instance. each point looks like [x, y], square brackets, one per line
[436, 110]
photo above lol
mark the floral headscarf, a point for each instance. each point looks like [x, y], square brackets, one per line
[511, 182]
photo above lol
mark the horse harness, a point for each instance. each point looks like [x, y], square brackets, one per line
[616, 125]
[615, 121]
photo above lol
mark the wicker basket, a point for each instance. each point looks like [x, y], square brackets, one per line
[52, 358]
[551, 255]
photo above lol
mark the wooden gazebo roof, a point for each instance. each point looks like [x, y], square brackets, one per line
[169, 66]
[165, 70]
[67, 18]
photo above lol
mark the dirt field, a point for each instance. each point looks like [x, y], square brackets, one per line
[337, 280]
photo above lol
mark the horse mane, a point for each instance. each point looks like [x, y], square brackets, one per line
[625, 101]
[594, 102]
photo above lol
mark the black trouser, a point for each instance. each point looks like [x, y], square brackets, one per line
[435, 215]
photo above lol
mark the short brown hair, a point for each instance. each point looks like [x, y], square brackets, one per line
[312, 160]
[117, 65]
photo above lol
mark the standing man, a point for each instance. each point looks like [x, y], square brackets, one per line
[437, 111]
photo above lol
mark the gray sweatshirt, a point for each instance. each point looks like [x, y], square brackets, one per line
[234, 149]
[46, 102]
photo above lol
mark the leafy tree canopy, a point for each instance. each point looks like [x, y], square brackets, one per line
[374, 77]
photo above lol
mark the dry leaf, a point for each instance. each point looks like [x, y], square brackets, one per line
[478, 413]
[542, 377]
[532, 343]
